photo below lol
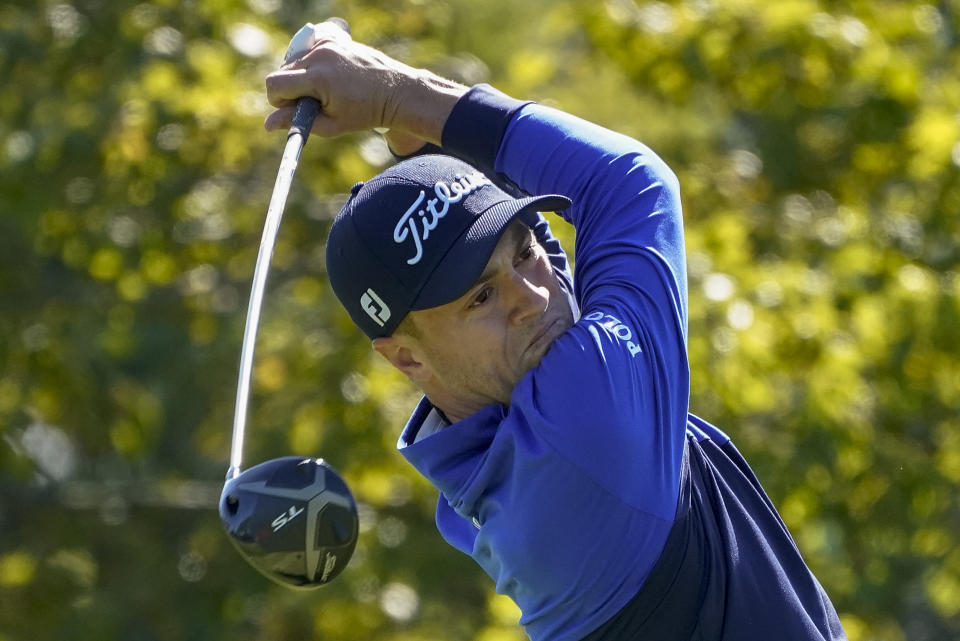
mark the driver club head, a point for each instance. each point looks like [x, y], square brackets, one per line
[293, 519]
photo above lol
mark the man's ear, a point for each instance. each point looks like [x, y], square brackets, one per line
[404, 355]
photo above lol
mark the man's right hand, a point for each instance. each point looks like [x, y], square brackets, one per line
[360, 88]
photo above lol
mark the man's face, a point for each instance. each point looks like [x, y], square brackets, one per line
[480, 345]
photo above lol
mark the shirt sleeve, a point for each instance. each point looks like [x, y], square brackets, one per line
[612, 394]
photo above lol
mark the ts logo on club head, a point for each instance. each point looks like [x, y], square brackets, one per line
[374, 306]
[286, 517]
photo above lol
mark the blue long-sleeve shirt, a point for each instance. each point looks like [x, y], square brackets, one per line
[568, 496]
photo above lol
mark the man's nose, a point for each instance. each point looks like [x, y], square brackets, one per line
[527, 300]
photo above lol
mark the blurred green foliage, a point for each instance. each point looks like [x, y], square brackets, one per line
[818, 149]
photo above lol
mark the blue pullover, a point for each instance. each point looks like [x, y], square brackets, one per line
[594, 490]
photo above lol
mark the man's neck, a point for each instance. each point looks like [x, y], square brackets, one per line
[453, 409]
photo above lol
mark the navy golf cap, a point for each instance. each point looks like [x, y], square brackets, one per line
[416, 236]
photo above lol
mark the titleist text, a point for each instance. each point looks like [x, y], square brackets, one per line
[418, 221]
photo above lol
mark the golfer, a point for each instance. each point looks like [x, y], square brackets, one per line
[555, 420]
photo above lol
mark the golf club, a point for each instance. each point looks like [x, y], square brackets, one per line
[292, 518]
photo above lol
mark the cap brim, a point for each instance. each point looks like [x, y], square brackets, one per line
[464, 263]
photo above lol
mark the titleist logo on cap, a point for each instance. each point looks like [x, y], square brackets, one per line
[429, 215]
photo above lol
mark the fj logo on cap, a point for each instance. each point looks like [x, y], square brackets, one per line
[429, 216]
[374, 306]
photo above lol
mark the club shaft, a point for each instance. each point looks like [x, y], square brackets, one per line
[306, 112]
[296, 139]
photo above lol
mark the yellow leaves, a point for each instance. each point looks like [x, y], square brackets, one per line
[727, 238]
[161, 80]
[501, 634]
[877, 571]
[931, 541]
[875, 158]
[127, 142]
[307, 291]
[928, 502]
[851, 461]
[392, 393]
[871, 325]
[308, 427]
[823, 135]
[852, 260]
[942, 587]
[866, 492]
[855, 627]
[502, 609]
[671, 78]
[819, 478]
[901, 79]
[17, 569]
[211, 60]
[351, 164]
[761, 84]
[158, 267]
[799, 506]
[336, 621]
[947, 456]
[757, 395]
[46, 403]
[530, 68]
[133, 432]
[782, 18]
[117, 338]
[9, 395]
[838, 389]
[932, 137]
[235, 151]
[126, 438]
[715, 45]
[202, 329]
[79, 115]
[504, 615]
[215, 96]
[75, 563]
[872, 63]
[56, 224]
[106, 264]
[817, 69]
[132, 286]
[132, 146]
[270, 373]
[374, 485]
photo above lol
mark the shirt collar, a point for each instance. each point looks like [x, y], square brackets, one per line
[448, 454]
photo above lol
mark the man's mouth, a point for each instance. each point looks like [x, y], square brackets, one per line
[543, 336]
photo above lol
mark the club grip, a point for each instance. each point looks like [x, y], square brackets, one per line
[303, 117]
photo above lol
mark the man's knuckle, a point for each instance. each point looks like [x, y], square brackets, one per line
[273, 83]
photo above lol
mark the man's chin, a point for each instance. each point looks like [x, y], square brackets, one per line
[539, 346]
[536, 352]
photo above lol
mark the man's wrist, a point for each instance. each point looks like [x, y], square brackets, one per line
[424, 104]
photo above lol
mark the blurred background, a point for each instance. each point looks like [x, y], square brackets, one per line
[818, 150]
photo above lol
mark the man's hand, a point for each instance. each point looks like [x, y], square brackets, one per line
[360, 88]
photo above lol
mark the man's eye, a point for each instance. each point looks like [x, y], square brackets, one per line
[482, 296]
[527, 252]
